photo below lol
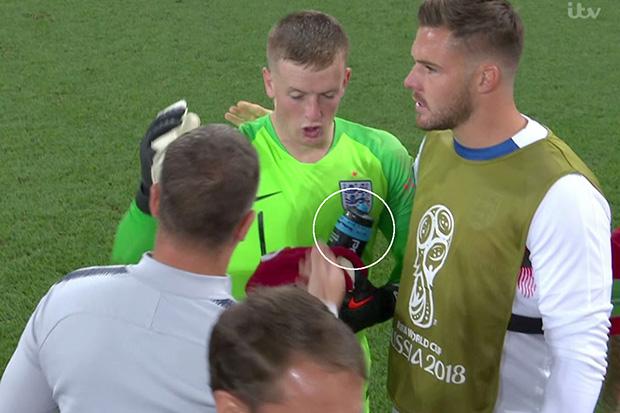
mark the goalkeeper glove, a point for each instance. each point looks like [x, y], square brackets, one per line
[168, 125]
[367, 305]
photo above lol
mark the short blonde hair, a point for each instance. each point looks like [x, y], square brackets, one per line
[309, 38]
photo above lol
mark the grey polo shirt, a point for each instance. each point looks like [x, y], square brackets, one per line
[118, 339]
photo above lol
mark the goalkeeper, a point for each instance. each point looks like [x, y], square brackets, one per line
[306, 154]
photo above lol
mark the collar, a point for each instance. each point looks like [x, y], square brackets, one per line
[179, 282]
[532, 132]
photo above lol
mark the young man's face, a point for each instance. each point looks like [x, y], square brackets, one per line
[440, 80]
[308, 387]
[306, 100]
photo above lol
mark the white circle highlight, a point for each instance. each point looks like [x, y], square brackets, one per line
[316, 243]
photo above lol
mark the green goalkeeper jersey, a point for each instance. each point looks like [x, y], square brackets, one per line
[290, 193]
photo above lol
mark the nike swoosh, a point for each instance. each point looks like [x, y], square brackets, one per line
[261, 197]
[354, 305]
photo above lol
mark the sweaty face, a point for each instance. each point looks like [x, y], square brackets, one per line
[308, 387]
[439, 80]
[305, 101]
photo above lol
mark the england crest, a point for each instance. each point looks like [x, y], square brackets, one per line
[353, 196]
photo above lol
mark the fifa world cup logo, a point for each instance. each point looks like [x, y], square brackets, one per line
[433, 243]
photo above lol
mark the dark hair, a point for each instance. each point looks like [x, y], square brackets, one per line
[255, 341]
[309, 38]
[208, 183]
[484, 26]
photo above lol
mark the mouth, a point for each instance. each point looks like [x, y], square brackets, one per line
[312, 132]
[420, 104]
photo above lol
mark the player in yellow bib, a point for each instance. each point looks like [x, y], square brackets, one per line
[305, 152]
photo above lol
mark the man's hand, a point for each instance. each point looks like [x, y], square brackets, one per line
[169, 124]
[245, 112]
[324, 280]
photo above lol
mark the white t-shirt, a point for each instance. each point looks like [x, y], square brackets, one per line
[118, 339]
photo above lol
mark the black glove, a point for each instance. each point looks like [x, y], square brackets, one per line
[169, 124]
[367, 305]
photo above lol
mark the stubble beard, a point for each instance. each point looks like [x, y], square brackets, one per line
[452, 115]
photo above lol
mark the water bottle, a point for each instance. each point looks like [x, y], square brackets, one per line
[353, 229]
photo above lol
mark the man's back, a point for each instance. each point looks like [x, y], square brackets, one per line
[122, 339]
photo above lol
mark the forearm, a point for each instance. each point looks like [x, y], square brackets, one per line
[573, 387]
[134, 236]
[401, 233]
[570, 255]
[400, 201]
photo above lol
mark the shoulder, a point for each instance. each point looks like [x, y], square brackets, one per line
[367, 135]
[102, 271]
[382, 144]
[565, 154]
[573, 198]
[89, 282]
[252, 129]
[572, 216]
[93, 290]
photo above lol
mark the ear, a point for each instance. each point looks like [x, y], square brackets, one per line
[227, 403]
[489, 78]
[244, 226]
[154, 200]
[268, 81]
[347, 77]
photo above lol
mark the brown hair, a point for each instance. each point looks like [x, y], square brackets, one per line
[309, 38]
[255, 341]
[485, 26]
[208, 183]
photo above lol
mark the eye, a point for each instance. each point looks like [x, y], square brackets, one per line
[296, 96]
[430, 69]
[329, 95]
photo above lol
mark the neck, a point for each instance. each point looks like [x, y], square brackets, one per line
[304, 152]
[187, 256]
[491, 123]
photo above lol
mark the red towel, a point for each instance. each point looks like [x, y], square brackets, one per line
[282, 267]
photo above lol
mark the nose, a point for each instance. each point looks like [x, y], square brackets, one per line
[312, 108]
[412, 80]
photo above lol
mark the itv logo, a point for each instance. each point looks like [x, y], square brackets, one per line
[581, 12]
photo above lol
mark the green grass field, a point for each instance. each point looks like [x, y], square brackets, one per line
[81, 80]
